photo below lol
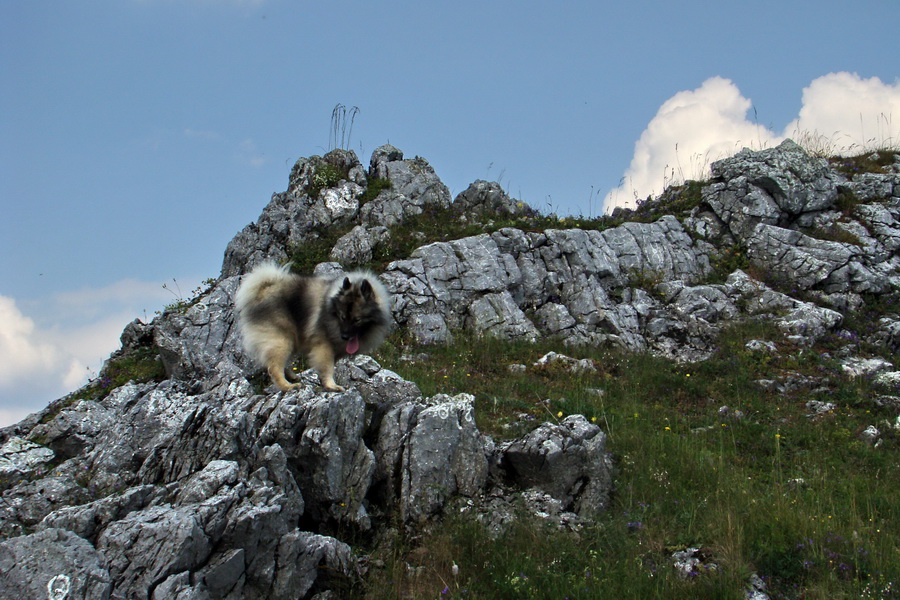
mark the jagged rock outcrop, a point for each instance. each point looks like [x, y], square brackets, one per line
[204, 486]
[213, 493]
[318, 198]
[782, 206]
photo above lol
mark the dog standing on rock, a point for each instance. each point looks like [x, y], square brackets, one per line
[282, 314]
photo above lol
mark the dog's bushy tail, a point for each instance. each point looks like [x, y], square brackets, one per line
[255, 283]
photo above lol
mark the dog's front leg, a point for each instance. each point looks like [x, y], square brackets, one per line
[321, 358]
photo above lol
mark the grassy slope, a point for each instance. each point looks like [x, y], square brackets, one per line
[804, 502]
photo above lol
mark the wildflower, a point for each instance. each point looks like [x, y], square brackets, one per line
[559, 414]
[668, 428]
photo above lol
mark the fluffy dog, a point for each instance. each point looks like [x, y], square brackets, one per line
[282, 315]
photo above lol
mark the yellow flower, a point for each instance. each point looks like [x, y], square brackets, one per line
[668, 429]
[559, 414]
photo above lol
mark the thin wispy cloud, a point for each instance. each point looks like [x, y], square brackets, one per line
[238, 3]
[248, 154]
[841, 111]
[202, 134]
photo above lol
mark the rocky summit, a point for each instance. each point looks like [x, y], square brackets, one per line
[197, 482]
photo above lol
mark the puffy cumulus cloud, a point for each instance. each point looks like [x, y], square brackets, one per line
[65, 339]
[22, 354]
[34, 367]
[845, 113]
[697, 127]
[690, 130]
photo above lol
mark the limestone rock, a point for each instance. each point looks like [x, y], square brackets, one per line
[566, 460]
[54, 564]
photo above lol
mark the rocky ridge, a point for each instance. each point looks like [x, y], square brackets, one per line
[199, 486]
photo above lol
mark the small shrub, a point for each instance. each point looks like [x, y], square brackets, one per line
[374, 187]
[315, 249]
[645, 279]
[834, 233]
[675, 200]
[141, 365]
[180, 305]
[725, 262]
[326, 176]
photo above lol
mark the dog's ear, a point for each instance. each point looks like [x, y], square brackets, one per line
[366, 289]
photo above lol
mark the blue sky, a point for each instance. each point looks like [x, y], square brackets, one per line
[138, 136]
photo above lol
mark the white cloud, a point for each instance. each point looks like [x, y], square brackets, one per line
[691, 130]
[65, 339]
[697, 127]
[249, 154]
[849, 114]
[201, 134]
[21, 353]
[128, 294]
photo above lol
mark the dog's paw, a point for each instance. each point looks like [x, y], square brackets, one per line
[289, 387]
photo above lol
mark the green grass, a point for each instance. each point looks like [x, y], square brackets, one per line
[326, 175]
[676, 200]
[141, 365]
[804, 503]
[374, 186]
[876, 161]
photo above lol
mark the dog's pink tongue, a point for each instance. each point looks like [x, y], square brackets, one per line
[353, 345]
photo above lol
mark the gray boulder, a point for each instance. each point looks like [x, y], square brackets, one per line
[567, 460]
[21, 458]
[487, 198]
[144, 548]
[772, 186]
[293, 217]
[192, 341]
[209, 490]
[54, 564]
[429, 453]
[358, 245]
[414, 186]
[782, 206]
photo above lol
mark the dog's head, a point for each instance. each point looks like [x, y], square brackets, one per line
[357, 310]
